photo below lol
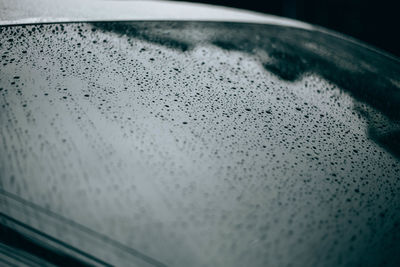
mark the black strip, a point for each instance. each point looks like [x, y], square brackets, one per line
[33, 230]
[16, 255]
[14, 239]
[87, 230]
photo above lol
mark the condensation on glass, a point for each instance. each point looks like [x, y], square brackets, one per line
[201, 144]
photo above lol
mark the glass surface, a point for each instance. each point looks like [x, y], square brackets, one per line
[200, 144]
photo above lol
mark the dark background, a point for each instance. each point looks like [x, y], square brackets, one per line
[374, 22]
